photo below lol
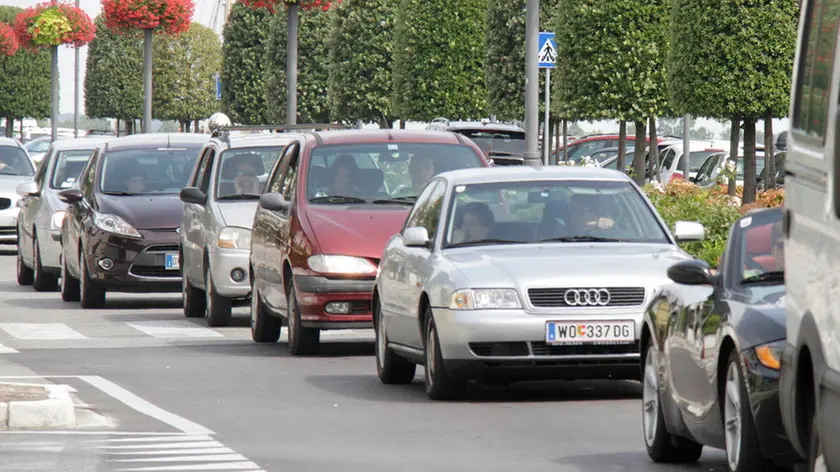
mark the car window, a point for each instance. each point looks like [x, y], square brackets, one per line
[147, 171]
[543, 211]
[698, 158]
[668, 158]
[739, 169]
[204, 182]
[762, 245]
[707, 169]
[14, 161]
[243, 171]
[577, 151]
[426, 213]
[201, 170]
[490, 140]
[37, 146]
[68, 166]
[41, 173]
[382, 170]
[87, 183]
[290, 179]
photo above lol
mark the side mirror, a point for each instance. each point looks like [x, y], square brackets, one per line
[70, 196]
[692, 272]
[193, 195]
[689, 231]
[28, 189]
[416, 237]
[274, 202]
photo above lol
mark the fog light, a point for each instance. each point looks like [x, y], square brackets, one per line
[106, 264]
[237, 275]
[338, 308]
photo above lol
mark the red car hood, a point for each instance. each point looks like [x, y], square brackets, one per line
[354, 231]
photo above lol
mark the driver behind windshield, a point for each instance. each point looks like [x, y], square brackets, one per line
[135, 183]
[344, 171]
[474, 224]
[246, 183]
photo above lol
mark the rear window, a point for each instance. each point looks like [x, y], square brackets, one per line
[148, 171]
[505, 142]
[14, 161]
[68, 167]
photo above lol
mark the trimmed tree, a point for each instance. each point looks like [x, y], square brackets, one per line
[361, 43]
[114, 77]
[438, 67]
[244, 64]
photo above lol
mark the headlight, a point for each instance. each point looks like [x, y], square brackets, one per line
[114, 224]
[232, 237]
[485, 299]
[770, 354]
[57, 220]
[332, 264]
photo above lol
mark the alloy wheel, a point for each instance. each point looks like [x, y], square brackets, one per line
[732, 420]
[430, 355]
[650, 399]
[381, 343]
[36, 256]
[292, 319]
[208, 298]
[255, 297]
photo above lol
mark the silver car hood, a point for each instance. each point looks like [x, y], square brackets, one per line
[565, 265]
[9, 183]
[238, 213]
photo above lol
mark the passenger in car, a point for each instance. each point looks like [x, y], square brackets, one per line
[421, 169]
[583, 214]
[474, 223]
[246, 183]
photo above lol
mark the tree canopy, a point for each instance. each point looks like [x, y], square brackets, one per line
[24, 79]
[114, 77]
[244, 65]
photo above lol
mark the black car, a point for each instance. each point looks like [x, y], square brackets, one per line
[712, 346]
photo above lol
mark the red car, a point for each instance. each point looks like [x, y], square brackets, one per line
[332, 202]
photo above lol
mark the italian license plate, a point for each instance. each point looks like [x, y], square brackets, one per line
[590, 332]
[173, 261]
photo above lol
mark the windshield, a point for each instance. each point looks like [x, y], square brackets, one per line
[369, 172]
[697, 158]
[244, 171]
[39, 145]
[759, 167]
[762, 250]
[506, 142]
[14, 161]
[68, 166]
[562, 211]
[148, 171]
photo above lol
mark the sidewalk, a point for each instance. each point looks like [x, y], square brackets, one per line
[30, 406]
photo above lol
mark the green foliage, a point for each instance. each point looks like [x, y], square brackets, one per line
[361, 43]
[24, 79]
[732, 58]
[243, 64]
[313, 67]
[504, 56]
[612, 55]
[183, 71]
[438, 66]
[114, 78]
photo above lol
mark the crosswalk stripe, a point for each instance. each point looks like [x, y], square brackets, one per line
[200, 437]
[199, 458]
[208, 450]
[249, 466]
[183, 445]
[173, 329]
[41, 331]
[7, 350]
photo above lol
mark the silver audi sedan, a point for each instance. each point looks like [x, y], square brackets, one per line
[521, 274]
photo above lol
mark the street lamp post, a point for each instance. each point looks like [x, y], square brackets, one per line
[291, 64]
[532, 74]
[76, 92]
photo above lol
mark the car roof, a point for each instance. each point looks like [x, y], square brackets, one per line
[141, 141]
[10, 142]
[461, 125]
[79, 143]
[531, 174]
[257, 140]
[362, 136]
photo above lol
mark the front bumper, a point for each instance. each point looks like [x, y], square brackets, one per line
[512, 344]
[138, 264]
[222, 263]
[8, 224]
[314, 293]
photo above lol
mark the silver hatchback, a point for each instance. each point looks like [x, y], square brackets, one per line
[521, 274]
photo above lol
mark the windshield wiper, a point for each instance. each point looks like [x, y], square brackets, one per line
[337, 199]
[240, 196]
[581, 239]
[121, 194]
[480, 242]
[398, 200]
[772, 276]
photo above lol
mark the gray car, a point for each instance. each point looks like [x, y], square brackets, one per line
[219, 207]
[550, 281]
[15, 167]
[41, 214]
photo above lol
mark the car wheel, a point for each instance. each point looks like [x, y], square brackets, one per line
[816, 453]
[92, 295]
[193, 298]
[661, 446]
[391, 368]
[218, 312]
[70, 291]
[302, 341]
[439, 385]
[25, 275]
[41, 282]
[264, 327]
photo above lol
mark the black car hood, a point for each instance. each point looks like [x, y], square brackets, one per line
[763, 322]
[144, 211]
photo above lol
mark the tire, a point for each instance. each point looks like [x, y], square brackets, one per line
[92, 295]
[25, 275]
[391, 368]
[41, 282]
[302, 341]
[193, 298]
[264, 327]
[70, 291]
[218, 308]
[439, 385]
[661, 446]
[816, 453]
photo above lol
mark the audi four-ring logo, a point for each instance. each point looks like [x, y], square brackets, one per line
[587, 297]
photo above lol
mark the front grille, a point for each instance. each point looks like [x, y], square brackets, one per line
[556, 297]
[359, 307]
[5, 203]
[8, 231]
[499, 349]
[541, 349]
[152, 262]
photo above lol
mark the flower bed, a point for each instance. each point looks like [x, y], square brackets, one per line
[8, 40]
[53, 24]
[131, 16]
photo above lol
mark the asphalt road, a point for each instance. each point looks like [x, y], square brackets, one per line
[158, 392]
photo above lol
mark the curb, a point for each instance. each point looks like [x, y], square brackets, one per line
[56, 411]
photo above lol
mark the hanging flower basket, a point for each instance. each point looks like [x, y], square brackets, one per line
[170, 17]
[8, 40]
[53, 24]
[304, 4]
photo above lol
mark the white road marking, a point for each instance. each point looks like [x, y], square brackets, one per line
[167, 446]
[190, 437]
[169, 329]
[206, 450]
[200, 458]
[86, 433]
[41, 331]
[250, 466]
[7, 350]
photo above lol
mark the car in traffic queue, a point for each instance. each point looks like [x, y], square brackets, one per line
[549, 283]
[219, 206]
[42, 212]
[15, 168]
[331, 203]
[120, 232]
[712, 348]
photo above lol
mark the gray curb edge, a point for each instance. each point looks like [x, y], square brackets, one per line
[54, 412]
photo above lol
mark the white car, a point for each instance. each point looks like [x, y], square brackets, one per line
[15, 167]
[672, 158]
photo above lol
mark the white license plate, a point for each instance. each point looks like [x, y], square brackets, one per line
[173, 261]
[590, 332]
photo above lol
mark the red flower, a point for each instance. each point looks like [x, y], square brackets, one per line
[8, 40]
[82, 29]
[171, 17]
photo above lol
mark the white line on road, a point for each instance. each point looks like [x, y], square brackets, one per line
[169, 329]
[88, 433]
[191, 437]
[250, 466]
[41, 331]
[206, 450]
[200, 458]
[7, 350]
[167, 446]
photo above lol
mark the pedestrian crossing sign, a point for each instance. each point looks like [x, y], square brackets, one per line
[547, 53]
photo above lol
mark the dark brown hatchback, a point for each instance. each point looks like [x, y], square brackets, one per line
[120, 233]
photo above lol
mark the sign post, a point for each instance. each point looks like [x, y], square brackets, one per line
[218, 86]
[547, 57]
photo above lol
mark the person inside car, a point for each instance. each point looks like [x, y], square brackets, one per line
[582, 216]
[135, 183]
[246, 183]
[474, 223]
[344, 171]
[421, 169]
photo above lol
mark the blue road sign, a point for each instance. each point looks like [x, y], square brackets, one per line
[218, 87]
[547, 53]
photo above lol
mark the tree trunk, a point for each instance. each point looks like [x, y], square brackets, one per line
[195, 127]
[118, 127]
[749, 161]
[653, 150]
[558, 128]
[566, 141]
[402, 123]
[622, 140]
[128, 126]
[10, 128]
[639, 154]
[769, 154]
[734, 141]
[21, 127]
